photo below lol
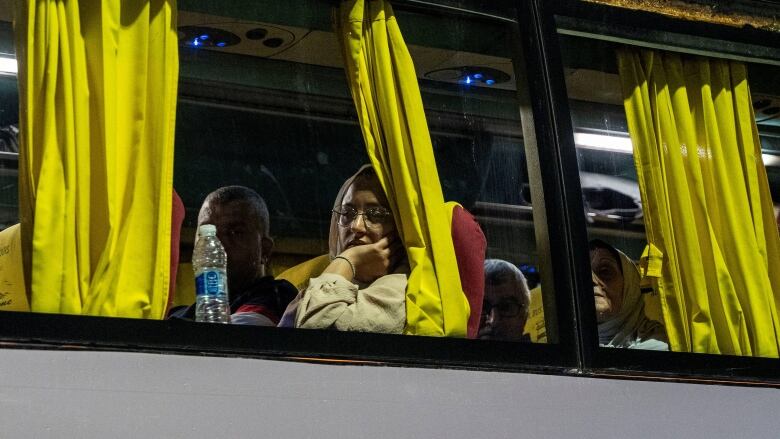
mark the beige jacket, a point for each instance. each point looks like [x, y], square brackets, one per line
[331, 301]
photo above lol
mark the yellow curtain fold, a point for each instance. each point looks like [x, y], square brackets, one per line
[384, 88]
[97, 85]
[708, 211]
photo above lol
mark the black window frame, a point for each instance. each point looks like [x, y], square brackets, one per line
[31, 330]
[560, 228]
[612, 362]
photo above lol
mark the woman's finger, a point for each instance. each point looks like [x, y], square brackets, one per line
[383, 243]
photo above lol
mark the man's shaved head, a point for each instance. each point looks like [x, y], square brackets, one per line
[226, 194]
[242, 221]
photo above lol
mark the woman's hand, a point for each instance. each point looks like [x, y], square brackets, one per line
[372, 261]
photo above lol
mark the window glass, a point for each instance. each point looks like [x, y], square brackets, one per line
[9, 120]
[264, 103]
[620, 222]
[280, 119]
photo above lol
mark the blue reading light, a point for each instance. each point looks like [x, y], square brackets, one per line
[483, 76]
[470, 76]
[525, 268]
[203, 37]
[478, 78]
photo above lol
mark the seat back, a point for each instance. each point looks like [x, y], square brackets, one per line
[470, 245]
[13, 294]
[535, 326]
[177, 218]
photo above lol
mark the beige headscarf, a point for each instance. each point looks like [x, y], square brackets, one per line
[300, 274]
[333, 235]
[630, 327]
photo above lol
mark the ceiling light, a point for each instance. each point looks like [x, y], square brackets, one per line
[622, 144]
[470, 75]
[204, 36]
[771, 160]
[8, 65]
[603, 142]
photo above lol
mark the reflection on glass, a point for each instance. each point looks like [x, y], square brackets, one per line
[263, 104]
[695, 252]
[279, 118]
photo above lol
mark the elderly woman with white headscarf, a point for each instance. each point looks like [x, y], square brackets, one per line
[622, 322]
[363, 288]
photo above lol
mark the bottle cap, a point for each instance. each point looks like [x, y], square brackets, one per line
[207, 230]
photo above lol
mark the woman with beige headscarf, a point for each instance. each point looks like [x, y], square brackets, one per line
[620, 312]
[363, 287]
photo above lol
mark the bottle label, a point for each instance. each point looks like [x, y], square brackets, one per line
[210, 283]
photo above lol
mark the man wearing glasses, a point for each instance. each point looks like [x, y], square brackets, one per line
[506, 303]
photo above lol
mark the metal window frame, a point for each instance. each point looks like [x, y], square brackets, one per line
[639, 27]
[561, 237]
[48, 331]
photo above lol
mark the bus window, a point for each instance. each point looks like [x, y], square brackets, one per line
[264, 104]
[271, 110]
[656, 236]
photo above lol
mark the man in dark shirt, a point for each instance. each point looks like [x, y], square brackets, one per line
[242, 221]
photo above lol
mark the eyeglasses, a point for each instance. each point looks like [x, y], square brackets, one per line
[373, 217]
[505, 308]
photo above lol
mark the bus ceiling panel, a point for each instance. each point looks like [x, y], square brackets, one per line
[316, 15]
[456, 59]
[592, 81]
[594, 86]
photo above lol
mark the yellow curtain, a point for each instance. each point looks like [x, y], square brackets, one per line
[384, 87]
[708, 211]
[97, 85]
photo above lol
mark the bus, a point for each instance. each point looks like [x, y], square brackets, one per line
[526, 115]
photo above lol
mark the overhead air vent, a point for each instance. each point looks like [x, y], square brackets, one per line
[238, 37]
[321, 48]
[258, 33]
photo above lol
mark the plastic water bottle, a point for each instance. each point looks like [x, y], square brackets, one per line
[209, 261]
